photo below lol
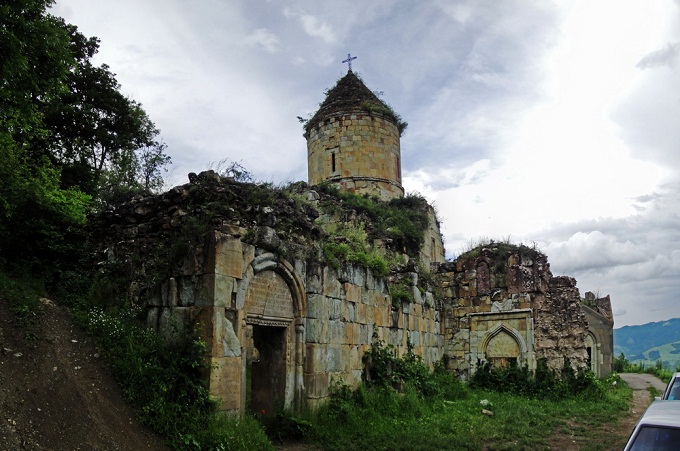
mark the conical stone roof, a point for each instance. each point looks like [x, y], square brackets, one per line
[350, 93]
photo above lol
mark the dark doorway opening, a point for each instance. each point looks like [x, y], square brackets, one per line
[266, 374]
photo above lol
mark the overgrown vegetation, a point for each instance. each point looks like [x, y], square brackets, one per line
[403, 405]
[403, 220]
[22, 293]
[500, 246]
[163, 381]
[350, 93]
[544, 383]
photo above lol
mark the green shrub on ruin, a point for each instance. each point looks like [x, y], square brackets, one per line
[400, 294]
[543, 383]
[163, 382]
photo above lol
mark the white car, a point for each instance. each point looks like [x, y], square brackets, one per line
[673, 389]
[657, 429]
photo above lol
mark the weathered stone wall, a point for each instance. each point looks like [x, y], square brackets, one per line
[561, 326]
[335, 313]
[501, 303]
[432, 250]
[600, 339]
[344, 309]
[359, 151]
[279, 323]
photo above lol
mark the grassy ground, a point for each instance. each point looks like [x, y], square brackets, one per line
[382, 419]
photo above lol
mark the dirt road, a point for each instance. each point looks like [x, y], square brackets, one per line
[612, 436]
[643, 381]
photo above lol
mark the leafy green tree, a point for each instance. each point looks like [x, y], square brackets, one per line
[64, 125]
[152, 163]
[621, 363]
[95, 130]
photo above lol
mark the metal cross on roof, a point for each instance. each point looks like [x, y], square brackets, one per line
[349, 61]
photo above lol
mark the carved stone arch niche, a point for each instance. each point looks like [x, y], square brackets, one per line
[271, 299]
[503, 345]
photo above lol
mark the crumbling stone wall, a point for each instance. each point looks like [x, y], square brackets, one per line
[242, 265]
[501, 303]
[280, 324]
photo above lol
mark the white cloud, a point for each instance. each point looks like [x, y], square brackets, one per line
[265, 39]
[312, 25]
[667, 56]
[593, 250]
[542, 121]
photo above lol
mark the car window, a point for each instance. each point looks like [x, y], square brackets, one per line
[656, 438]
[674, 392]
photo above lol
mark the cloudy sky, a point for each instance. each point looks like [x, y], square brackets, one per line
[555, 123]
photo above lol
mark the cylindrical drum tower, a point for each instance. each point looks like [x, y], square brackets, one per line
[353, 141]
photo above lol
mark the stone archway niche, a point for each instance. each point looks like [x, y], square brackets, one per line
[592, 348]
[502, 349]
[272, 299]
[501, 338]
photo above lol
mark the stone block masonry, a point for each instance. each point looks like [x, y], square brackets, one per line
[369, 163]
[281, 327]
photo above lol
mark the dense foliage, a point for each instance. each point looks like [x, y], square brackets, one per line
[163, 381]
[402, 220]
[69, 139]
[544, 383]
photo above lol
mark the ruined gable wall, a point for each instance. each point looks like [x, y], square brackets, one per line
[560, 324]
[598, 313]
[506, 292]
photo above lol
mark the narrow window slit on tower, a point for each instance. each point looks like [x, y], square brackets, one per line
[333, 161]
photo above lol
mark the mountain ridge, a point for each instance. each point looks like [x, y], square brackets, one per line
[658, 340]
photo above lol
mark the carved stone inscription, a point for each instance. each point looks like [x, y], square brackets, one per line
[269, 296]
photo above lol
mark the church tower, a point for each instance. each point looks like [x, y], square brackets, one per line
[353, 141]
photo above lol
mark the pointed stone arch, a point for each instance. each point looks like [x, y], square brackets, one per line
[502, 344]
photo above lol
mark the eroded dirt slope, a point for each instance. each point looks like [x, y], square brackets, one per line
[56, 392]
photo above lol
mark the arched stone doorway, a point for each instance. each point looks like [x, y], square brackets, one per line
[593, 353]
[269, 317]
[272, 300]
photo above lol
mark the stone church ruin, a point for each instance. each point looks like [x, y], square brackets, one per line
[289, 287]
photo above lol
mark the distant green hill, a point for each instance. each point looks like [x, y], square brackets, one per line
[650, 342]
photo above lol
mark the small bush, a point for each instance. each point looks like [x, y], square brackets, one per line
[165, 385]
[400, 293]
[544, 383]
[384, 368]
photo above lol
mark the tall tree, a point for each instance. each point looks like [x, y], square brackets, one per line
[94, 126]
[63, 123]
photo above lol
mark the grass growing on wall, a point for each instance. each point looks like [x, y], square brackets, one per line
[401, 220]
